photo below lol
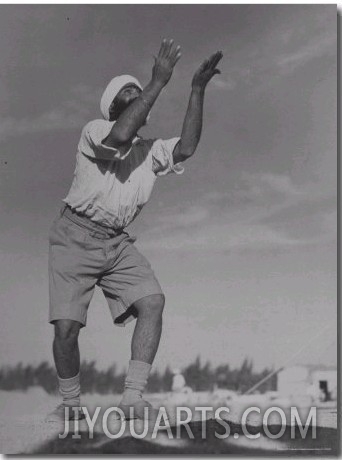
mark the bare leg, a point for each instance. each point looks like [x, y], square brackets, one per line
[65, 348]
[67, 359]
[147, 332]
[145, 342]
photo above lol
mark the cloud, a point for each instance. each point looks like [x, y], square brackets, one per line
[265, 183]
[262, 210]
[73, 113]
[220, 237]
[280, 183]
[280, 51]
[220, 82]
[194, 214]
[55, 119]
[238, 237]
[289, 61]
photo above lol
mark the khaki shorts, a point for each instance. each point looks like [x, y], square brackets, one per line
[83, 254]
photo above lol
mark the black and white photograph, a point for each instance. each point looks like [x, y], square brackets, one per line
[168, 231]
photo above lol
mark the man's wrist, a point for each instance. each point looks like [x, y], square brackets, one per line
[156, 83]
[197, 89]
[150, 93]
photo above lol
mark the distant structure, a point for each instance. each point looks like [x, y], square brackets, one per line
[316, 381]
[179, 383]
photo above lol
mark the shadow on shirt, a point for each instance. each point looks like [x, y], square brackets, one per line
[124, 168]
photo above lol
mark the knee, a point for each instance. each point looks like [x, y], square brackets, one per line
[152, 305]
[67, 331]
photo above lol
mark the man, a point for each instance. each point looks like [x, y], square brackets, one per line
[113, 179]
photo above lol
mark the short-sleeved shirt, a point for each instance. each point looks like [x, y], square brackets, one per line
[111, 185]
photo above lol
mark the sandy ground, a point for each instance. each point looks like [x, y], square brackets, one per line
[23, 430]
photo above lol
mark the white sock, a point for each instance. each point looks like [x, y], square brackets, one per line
[136, 380]
[70, 390]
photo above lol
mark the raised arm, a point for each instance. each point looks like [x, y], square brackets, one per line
[192, 125]
[131, 120]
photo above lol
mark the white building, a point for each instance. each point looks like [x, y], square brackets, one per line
[318, 382]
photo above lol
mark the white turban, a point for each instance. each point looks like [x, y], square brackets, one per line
[115, 85]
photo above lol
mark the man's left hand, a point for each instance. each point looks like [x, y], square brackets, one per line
[206, 71]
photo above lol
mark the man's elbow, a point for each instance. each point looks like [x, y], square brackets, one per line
[187, 149]
[116, 140]
[185, 154]
[123, 137]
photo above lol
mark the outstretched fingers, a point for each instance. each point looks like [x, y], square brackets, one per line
[169, 48]
[169, 51]
[165, 48]
[175, 54]
[162, 49]
[205, 65]
[215, 59]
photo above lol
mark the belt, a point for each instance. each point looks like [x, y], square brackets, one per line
[84, 221]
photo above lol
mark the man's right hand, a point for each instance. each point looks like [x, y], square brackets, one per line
[134, 116]
[165, 62]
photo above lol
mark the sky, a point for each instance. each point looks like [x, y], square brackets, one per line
[244, 242]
